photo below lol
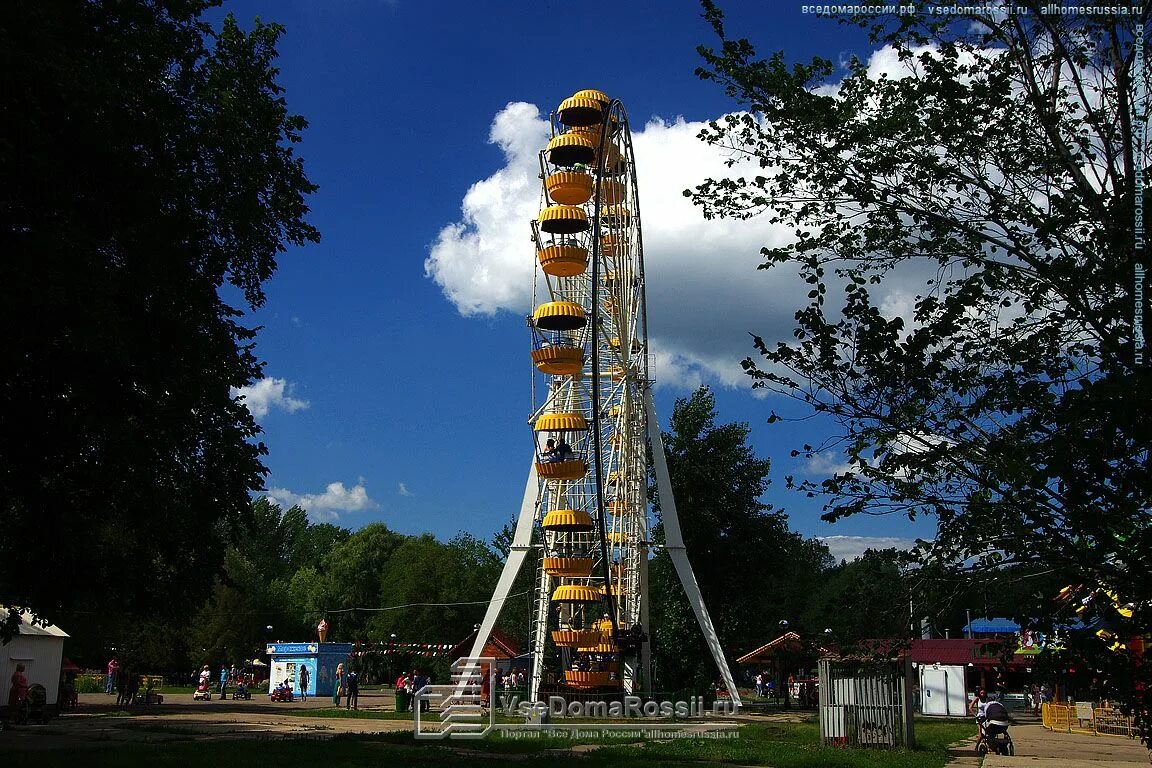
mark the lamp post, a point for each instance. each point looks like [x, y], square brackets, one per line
[781, 666]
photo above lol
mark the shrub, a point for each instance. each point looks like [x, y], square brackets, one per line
[89, 684]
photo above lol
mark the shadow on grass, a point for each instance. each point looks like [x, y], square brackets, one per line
[781, 745]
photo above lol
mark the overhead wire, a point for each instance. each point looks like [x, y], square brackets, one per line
[421, 605]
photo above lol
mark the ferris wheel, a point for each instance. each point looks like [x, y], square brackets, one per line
[593, 423]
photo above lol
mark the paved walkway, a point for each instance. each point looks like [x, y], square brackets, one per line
[1037, 747]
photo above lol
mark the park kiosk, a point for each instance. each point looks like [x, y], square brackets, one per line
[321, 660]
[40, 648]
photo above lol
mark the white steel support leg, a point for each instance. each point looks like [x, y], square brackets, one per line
[539, 632]
[645, 648]
[521, 544]
[674, 543]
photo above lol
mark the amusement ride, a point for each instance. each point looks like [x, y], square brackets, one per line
[594, 427]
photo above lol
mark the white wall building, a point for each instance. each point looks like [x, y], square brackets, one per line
[40, 649]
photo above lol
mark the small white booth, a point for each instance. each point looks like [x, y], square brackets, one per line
[40, 649]
[942, 690]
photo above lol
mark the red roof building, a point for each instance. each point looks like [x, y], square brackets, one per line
[976, 652]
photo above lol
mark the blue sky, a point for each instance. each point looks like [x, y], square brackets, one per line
[397, 368]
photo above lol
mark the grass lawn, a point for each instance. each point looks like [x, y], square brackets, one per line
[782, 745]
[359, 714]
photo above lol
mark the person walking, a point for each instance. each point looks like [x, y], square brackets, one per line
[418, 682]
[353, 686]
[122, 675]
[304, 680]
[223, 682]
[410, 689]
[133, 688]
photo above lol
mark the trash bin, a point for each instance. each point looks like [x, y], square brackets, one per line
[401, 700]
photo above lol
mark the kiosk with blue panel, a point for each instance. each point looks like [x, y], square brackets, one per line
[320, 659]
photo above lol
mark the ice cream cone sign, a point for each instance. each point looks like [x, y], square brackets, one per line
[322, 629]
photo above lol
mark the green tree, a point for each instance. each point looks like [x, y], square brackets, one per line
[752, 570]
[147, 184]
[316, 541]
[354, 579]
[1001, 163]
[229, 625]
[515, 615]
[874, 580]
[433, 578]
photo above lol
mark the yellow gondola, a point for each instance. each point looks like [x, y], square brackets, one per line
[568, 521]
[619, 507]
[569, 149]
[575, 593]
[583, 108]
[572, 638]
[568, 567]
[611, 191]
[563, 260]
[558, 360]
[580, 679]
[570, 187]
[559, 422]
[615, 216]
[561, 470]
[559, 316]
[563, 220]
[611, 244]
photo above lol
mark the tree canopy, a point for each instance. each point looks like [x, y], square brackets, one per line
[752, 569]
[992, 174]
[147, 183]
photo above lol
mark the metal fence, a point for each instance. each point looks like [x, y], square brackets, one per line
[865, 704]
[1085, 718]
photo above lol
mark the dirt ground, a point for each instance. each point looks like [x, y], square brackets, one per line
[179, 717]
[93, 723]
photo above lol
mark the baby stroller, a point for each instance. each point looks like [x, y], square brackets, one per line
[994, 735]
[32, 708]
[203, 692]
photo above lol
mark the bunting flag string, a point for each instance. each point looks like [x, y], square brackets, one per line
[410, 649]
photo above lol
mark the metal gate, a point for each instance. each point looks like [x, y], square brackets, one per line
[865, 703]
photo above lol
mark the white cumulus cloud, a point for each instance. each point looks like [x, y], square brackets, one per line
[267, 394]
[327, 506]
[484, 262]
[704, 292]
[402, 490]
[852, 547]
